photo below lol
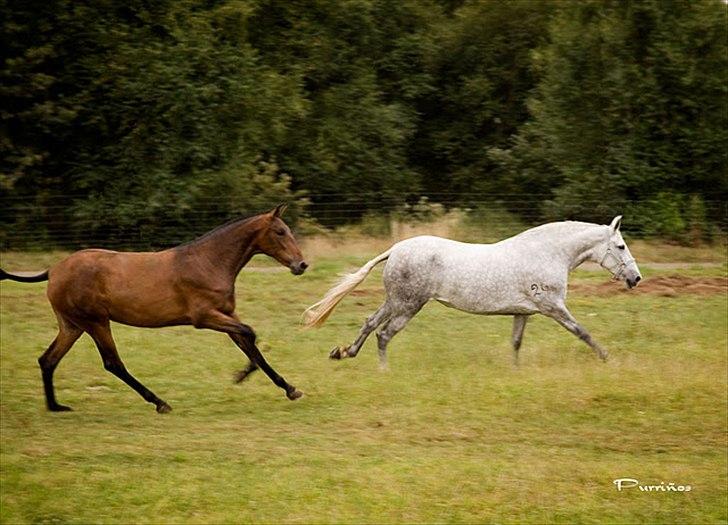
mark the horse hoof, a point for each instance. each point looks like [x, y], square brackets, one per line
[604, 357]
[294, 394]
[163, 408]
[60, 408]
[339, 352]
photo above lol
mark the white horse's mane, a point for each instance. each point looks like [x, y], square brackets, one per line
[556, 228]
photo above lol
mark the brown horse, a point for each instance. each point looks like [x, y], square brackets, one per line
[191, 284]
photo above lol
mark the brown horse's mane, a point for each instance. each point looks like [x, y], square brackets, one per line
[216, 231]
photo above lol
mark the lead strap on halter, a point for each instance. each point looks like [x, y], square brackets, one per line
[622, 264]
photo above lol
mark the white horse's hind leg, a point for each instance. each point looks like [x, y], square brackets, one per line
[562, 316]
[519, 324]
[382, 348]
[395, 324]
[372, 322]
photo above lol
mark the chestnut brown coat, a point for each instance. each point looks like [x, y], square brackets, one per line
[191, 284]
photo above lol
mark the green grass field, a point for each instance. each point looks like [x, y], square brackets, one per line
[452, 433]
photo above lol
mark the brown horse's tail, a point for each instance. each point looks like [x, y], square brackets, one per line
[24, 277]
[316, 315]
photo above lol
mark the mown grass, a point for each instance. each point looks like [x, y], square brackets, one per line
[452, 433]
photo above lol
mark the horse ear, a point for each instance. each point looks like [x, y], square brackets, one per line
[278, 210]
[616, 223]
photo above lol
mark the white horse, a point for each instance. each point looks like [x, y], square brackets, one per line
[520, 276]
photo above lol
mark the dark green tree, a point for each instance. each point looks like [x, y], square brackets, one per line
[125, 121]
[631, 103]
[481, 66]
[361, 65]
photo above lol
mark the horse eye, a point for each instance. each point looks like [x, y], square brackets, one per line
[621, 246]
[280, 232]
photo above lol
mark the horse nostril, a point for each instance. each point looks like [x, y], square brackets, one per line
[303, 265]
[637, 279]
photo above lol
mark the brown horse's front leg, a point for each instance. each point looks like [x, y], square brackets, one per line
[244, 337]
[243, 374]
[246, 342]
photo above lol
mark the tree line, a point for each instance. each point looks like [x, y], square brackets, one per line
[149, 117]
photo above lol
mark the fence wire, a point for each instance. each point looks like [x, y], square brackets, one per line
[58, 223]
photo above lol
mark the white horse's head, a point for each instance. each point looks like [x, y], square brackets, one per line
[614, 255]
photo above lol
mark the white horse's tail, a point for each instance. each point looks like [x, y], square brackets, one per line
[315, 315]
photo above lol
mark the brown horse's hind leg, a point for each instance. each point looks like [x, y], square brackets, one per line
[67, 335]
[101, 335]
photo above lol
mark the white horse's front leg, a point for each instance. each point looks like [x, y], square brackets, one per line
[519, 324]
[561, 315]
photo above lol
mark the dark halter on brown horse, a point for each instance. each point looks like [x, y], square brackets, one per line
[191, 284]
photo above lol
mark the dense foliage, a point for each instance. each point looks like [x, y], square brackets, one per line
[629, 110]
[142, 120]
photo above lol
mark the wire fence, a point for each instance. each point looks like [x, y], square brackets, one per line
[61, 222]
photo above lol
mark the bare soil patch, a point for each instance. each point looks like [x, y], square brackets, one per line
[665, 286]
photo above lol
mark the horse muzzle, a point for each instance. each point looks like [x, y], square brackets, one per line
[632, 281]
[297, 268]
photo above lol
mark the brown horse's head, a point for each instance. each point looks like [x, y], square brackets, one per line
[277, 241]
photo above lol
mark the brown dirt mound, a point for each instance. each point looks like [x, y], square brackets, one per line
[665, 286]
